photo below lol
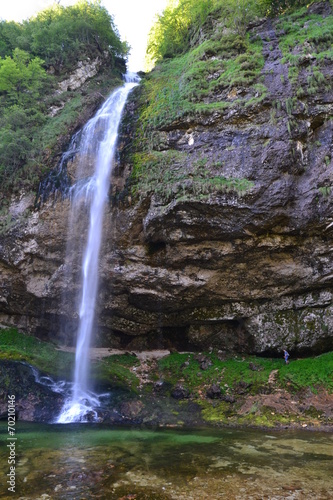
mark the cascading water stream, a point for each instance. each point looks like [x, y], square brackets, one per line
[98, 141]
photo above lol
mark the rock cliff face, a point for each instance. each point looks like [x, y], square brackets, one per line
[245, 267]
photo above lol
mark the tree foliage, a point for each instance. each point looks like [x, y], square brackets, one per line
[237, 14]
[10, 32]
[21, 76]
[61, 36]
[275, 7]
[33, 56]
[171, 33]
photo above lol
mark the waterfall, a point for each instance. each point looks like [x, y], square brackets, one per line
[96, 149]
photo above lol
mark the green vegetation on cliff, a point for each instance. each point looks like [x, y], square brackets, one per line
[191, 84]
[35, 56]
[248, 390]
[180, 25]
[213, 65]
[164, 175]
[306, 45]
[198, 75]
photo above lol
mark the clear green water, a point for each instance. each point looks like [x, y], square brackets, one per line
[86, 462]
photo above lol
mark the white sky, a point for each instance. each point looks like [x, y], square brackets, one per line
[132, 17]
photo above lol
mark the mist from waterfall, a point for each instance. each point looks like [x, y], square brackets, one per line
[96, 150]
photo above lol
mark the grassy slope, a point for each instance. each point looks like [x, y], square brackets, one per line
[47, 358]
[244, 379]
[227, 373]
[239, 378]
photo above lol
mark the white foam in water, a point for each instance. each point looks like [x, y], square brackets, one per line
[61, 386]
[80, 407]
[99, 138]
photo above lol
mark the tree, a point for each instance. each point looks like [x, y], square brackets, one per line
[9, 34]
[62, 36]
[171, 33]
[58, 37]
[21, 76]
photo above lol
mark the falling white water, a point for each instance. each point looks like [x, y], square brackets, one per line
[98, 140]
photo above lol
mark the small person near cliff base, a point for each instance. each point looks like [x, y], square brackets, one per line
[286, 356]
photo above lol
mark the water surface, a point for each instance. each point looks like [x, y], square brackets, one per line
[85, 461]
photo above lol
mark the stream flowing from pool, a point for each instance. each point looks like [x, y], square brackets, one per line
[96, 151]
[92, 461]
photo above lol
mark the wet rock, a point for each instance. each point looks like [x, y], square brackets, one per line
[214, 392]
[254, 367]
[205, 365]
[158, 386]
[33, 401]
[180, 392]
[228, 398]
[131, 409]
[203, 361]
[242, 387]
[162, 387]
[91, 417]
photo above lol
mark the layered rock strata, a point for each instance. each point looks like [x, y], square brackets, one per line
[246, 270]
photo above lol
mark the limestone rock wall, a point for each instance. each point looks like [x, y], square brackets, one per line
[250, 272]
